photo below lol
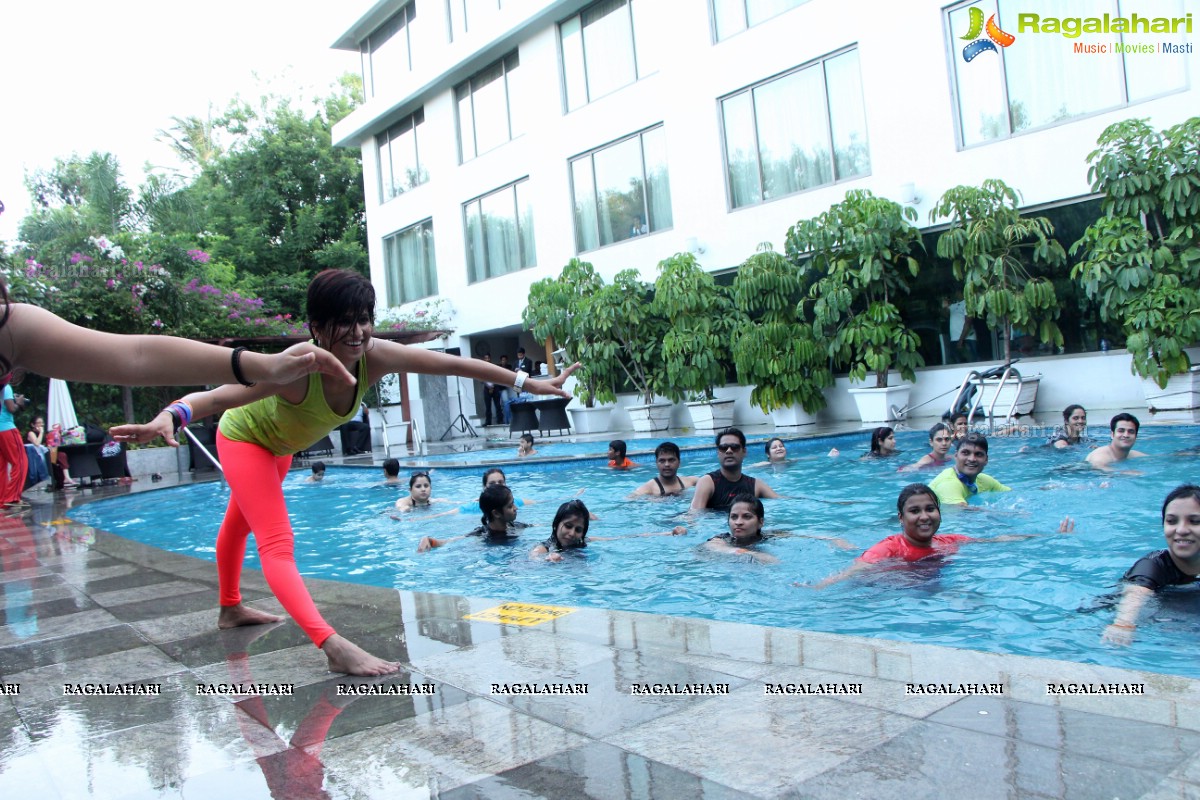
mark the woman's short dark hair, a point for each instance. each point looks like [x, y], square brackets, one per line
[1182, 490]
[334, 295]
[493, 498]
[1071, 409]
[493, 471]
[937, 428]
[914, 490]
[755, 504]
[877, 437]
[413, 478]
[767, 446]
[572, 508]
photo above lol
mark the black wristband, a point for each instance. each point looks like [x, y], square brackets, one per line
[236, 363]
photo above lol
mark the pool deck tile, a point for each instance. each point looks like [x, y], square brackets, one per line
[84, 606]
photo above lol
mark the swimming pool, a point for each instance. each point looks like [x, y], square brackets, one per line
[1040, 597]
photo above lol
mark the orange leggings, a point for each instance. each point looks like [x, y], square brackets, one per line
[255, 477]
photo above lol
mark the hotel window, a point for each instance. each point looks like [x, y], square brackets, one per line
[387, 53]
[608, 45]
[463, 12]
[621, 190]
[408, 264]
[1040, 80]
[499, 229]
[801, 130]
[734, 16]
[487, 117]
[399, 157]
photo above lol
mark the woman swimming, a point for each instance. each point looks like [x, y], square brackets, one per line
[940, 439]
[1177, 565]
[420, 493]
[569, 531]
[920, 515]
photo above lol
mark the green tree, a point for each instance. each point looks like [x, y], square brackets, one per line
[995, 251]
[858, 255]
[1141, 260]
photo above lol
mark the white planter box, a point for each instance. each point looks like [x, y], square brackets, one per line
[653, 417]
[711, 415]
[590, 420]
[792, 416]
[1182, 392]
[1025, 393]
[879, 406]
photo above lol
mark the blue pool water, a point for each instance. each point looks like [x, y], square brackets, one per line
[1041, 597]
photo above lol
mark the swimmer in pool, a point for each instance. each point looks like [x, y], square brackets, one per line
[498, 524]
[265, 424]
[318, 472]
[420, 493]
[569, 532]
[525, 446]
[1178, 565]
[1124, 429]
[940, 439]
[745, 520]
[668, 482]
[777, 454]
[883, 443]
[920, 516]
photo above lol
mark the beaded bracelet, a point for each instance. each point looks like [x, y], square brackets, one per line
[236, 362]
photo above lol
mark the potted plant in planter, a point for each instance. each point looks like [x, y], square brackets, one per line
[556, 311]
[993, 249]
[1141, 260]
[858, 257]
[775, 348]
[696, 346]
[628, 331]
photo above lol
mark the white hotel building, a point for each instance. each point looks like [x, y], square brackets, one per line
[501, 138]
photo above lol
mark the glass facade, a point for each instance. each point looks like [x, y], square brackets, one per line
[621, 190]
[486, 117]
[499, 227]
[1041, 80]
[387, 53]
[800, 130]
[409, 265]
[400, 157]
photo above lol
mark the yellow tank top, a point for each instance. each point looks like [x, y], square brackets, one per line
[285, 428]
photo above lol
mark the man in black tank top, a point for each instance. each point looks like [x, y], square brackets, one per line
[668, 482]
[716, 490]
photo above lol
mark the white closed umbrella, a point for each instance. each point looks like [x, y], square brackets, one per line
[59, 408]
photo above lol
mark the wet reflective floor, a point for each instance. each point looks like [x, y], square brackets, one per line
[115, 683]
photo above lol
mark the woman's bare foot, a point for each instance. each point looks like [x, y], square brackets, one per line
[236, 616]
[345, 656]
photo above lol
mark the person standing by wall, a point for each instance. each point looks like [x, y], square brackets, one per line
[14, 465]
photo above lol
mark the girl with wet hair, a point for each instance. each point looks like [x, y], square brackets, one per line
[264, 425]
[883, 443]
[1177, 565]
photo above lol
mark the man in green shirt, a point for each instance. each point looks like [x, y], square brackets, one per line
[954, 485]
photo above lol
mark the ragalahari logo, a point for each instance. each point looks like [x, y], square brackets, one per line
[995, 36]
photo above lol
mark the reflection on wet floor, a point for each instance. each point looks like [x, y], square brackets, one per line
[671, 708]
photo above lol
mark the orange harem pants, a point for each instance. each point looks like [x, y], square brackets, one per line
[255, 477]
[14, 466]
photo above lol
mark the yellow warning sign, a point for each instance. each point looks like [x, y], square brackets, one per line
[520, 614]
